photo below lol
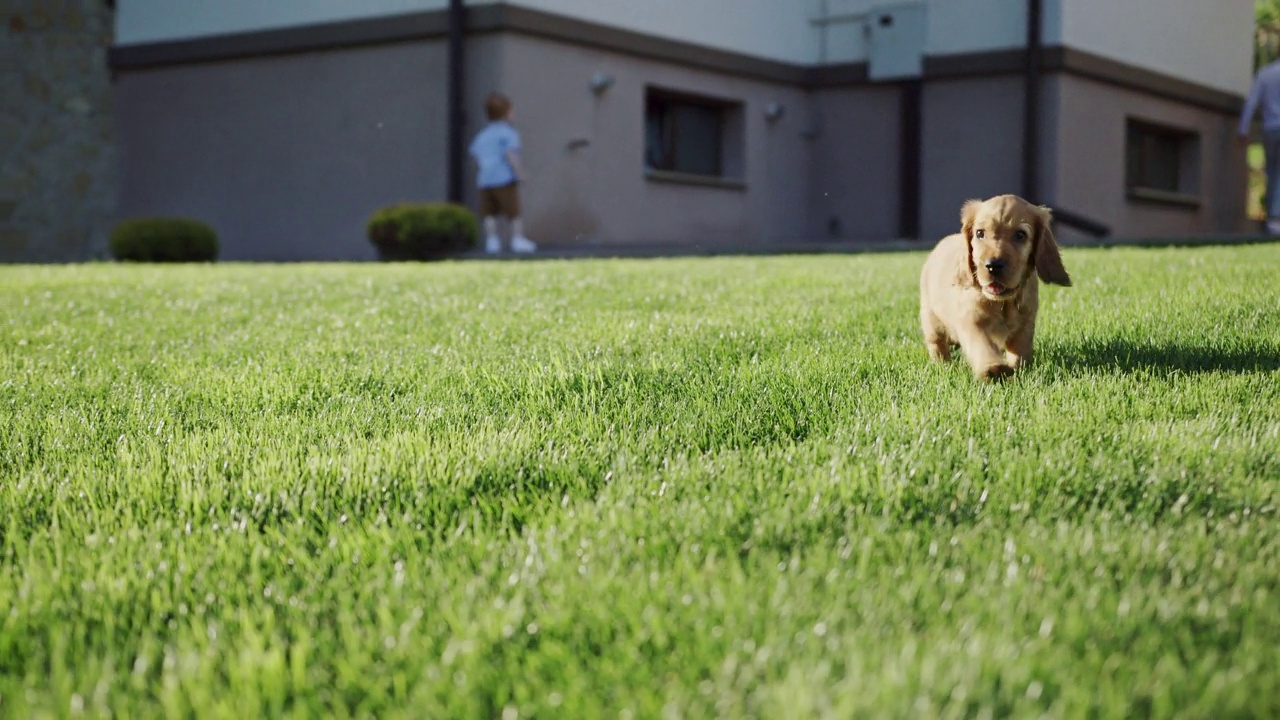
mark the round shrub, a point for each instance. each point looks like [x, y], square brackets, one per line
[422, 231]
[164, 240]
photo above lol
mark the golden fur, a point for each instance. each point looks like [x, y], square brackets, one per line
[979, 287]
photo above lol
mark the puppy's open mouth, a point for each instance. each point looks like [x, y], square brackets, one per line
[997, 290]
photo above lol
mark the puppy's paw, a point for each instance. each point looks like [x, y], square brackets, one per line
[939, 352]
[1016, 361]
[998, 371]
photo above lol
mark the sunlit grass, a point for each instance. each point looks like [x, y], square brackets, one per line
[684, 488]
[1257, 161]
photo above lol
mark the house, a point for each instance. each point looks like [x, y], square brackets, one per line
[683, 122]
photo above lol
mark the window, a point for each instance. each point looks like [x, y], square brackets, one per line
[1162, 163]
[690, 138]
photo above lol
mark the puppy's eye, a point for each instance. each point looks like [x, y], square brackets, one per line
[980, 234]
[1020, 236]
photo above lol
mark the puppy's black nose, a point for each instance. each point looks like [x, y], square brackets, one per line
[994, 266]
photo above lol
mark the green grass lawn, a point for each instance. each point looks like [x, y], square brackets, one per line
[1256, 158]
[669, 488]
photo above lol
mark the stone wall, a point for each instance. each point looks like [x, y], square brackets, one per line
[58, 172]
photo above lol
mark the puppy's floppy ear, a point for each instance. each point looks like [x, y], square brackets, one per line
[1048, 259]
[968, 214]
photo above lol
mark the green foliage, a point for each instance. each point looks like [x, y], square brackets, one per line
[1267, 12]
[674, 488]
[422, 231]
[1255, 158]
[1266, 46]
[163, 239]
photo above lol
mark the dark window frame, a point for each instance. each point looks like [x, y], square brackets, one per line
[1162, 163]
[662, 108]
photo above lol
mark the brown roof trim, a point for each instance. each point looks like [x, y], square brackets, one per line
[1096, 67]
[843, 74]
[509, 18]
[974, 64]
[1087, 65]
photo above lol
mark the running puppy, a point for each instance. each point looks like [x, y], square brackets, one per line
[979, 290]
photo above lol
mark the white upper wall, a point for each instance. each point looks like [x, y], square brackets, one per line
[775, 29]
[1205, 41]
[976, 25]
[142, 21]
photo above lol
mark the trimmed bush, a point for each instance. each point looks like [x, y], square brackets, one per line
[164, 240]
[422, 231]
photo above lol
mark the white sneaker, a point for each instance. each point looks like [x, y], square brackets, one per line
[1273, 227]
[493, 244]
[522, 244]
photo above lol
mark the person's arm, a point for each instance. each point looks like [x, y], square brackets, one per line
[512, 153]
[1250, 107]
[513, 158]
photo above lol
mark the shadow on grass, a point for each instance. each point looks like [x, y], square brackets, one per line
[1119, 355]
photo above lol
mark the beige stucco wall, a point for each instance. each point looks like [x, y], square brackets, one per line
[971, 146]
[1089, 157]
[598, 192]
[286, 156]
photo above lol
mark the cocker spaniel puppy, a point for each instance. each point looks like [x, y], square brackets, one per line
[979, 289]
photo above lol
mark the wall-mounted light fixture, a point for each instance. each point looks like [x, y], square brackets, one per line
[774, 111]
[600, 83]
